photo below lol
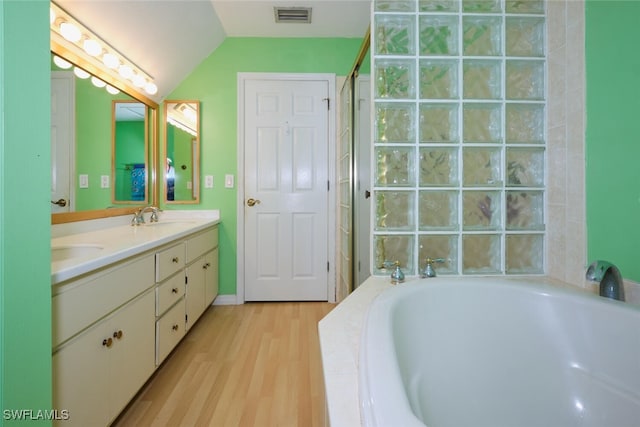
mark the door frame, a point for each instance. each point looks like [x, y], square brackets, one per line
[331, 173]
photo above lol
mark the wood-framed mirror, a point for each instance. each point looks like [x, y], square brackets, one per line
[91, 166]
[181, 175]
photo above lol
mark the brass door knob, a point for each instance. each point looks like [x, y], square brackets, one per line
[60, 202]
[252, 202]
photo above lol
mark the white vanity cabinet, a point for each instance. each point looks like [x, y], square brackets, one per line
[201, 273]
[115, 323]
[103, 341]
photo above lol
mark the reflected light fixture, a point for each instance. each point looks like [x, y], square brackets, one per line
[89, 52]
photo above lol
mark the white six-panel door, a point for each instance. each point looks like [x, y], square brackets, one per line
[285, 190]
[62, 141]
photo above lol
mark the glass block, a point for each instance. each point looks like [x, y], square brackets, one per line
[525, 37]
[438, 167]
[395, 167]
[525, 167]
[395, 123]
[438, 123]
[438, 210]
[438, 79]
[439, 5]
[480, 254]
[439, 246]
[525, 79]
[395, 5]
[395, 210]
[524, 123]
[482, 35]
[481, 167]
[394, 34]
[524, 254]
[391, 248]
[525, 6]
[395, 78]
[481, 6]
[482, 79]
[438, 35]
[482, 122]
[481, 210]
[525, 210]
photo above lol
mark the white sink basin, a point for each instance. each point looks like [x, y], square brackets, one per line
[61, 253]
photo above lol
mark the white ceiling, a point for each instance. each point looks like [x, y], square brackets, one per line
[169, 38]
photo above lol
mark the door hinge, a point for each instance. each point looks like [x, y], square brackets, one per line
[328, 185]
[327, 266]
[186, 279]
[328, 102]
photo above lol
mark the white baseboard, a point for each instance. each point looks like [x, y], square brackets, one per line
[225, 300]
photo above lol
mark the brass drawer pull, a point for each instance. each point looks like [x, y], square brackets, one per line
[175, 327]
[107, 342]
[175, 259]
[118, 334]
[174, 290]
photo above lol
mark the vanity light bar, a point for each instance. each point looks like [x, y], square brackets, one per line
[68, 33]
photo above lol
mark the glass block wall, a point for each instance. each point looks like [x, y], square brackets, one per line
[459, 135]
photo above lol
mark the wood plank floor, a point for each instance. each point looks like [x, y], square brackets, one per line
[256, 364]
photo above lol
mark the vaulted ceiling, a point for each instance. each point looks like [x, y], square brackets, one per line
[169, 38]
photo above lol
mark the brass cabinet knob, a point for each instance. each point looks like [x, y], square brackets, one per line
[174, 290]
[107, 342]
[118, 334]
[175, 259]
[175, 327]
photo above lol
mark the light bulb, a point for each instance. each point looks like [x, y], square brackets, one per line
[80, 73]
[62, 63]
[92, 47]
[110, 60]
[70, 32]
[151, 88]
[139, 80]
[97, 82]
[125, 71]
[112, 90]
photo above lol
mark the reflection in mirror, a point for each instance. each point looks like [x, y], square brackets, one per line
[182, 152]
[90, 168]
[129, 152]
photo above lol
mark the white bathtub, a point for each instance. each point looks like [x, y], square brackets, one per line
[498, 352]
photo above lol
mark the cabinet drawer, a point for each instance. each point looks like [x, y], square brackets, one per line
[81, 303]
[169, 330]
[169, 261]
[169, 292]
[201, 243]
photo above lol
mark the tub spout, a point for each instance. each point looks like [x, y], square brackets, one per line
[611, 283]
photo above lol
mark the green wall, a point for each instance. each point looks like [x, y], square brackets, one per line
[25, 263]
[130, 150]
[613, 134]
[214, 83]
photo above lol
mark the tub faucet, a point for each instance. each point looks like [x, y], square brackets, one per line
[138, 217]
[611, 283]
[429, 271]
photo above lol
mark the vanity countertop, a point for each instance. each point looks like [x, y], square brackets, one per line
[119, 240]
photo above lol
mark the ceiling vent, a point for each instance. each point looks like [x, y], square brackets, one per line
[301, 15]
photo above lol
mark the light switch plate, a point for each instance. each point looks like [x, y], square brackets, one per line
[208, 181]
[228, 181]
[104, 181]
[83, 181]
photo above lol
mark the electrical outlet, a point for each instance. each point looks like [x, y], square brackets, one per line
[83, 181]
[104, 181]
[208, 181]
[228, 181]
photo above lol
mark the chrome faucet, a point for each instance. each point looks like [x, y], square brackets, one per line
[138, 216]
[611, 283]
[429, 271]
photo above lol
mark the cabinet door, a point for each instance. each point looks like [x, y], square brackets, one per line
[211, 277]
[194, 294]
[132, 360]
[81, 377]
